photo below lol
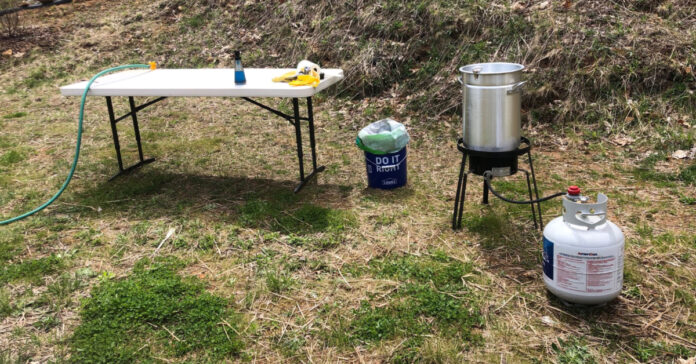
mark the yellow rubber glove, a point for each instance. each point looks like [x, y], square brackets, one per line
[286, 77]
[305, 80]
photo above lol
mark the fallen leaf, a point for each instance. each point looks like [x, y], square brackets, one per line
[548, 320]
[684, 123]
[543, 5]
[622, 140]
[7, 53]
[691, 360]
[680, 154]
[518, 6]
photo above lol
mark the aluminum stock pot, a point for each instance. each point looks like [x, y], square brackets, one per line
[491, 106]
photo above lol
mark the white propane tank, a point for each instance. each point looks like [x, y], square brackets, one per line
[583, 252]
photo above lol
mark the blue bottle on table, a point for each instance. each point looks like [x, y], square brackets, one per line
[239, 77]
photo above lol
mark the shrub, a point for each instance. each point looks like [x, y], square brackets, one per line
[11, 23]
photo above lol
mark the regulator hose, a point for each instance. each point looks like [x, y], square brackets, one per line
[487, 180]
[77, 144]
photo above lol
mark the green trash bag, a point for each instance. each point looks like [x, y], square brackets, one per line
[383, 137]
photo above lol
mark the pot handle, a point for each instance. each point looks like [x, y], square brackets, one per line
[461, 80]
[516, 88]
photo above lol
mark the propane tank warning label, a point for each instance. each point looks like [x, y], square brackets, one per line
[596, 271]
[587, 272]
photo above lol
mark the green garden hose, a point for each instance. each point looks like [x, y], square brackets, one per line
[77, 145]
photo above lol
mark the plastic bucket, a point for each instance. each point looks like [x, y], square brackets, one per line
[386, 171]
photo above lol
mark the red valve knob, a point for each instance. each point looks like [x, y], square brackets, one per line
[574, 190]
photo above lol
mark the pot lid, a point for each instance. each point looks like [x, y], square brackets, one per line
[493, 68]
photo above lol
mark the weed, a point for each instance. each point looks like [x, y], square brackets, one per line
[573, 351]
[439, 269]
[46, 323]
[58, 294]
[11, 157]
[278, 282]
[633, 292]
[90, 236]
[122, 314]
[688, 175]
[430, 298]
[31, 270]
[280, 215]
[684, 297]
[647, 350]
[10, 23]
[19, 114]
[207, 242]
[646, 171]
[6, 306]
[195, 21]
[686, 200]
[10, 245]
[36, 78]
[290, 344]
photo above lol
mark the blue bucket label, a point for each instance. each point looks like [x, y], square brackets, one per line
[386, 171]
[547, 255]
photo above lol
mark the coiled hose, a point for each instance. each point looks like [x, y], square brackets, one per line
[78, 144]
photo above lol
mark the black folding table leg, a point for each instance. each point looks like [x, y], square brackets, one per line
[296, 121]
[117, 145]
[298, 137]
[114, 132]
[136, 128]
[312, 142]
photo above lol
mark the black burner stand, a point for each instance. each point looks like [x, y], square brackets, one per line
[500, 164]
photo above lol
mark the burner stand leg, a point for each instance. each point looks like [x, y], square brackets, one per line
[485, 193]
[460, 196]
[529, 188]
[536, 190]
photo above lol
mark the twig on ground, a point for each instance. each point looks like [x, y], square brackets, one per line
[169, 234]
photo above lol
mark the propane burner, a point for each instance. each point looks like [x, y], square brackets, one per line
[494, 164]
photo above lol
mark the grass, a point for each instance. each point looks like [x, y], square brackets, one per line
[646, 171]
[11, 157]
[122, 314]
[429, 298]
[573, 351]
[339, 272]
[31, 270]
[19, 114]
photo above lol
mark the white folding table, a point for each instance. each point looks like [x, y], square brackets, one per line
[163, 83]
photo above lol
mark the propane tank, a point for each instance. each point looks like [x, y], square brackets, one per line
[583, 252]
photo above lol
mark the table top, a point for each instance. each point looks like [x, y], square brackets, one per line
[199, 82]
